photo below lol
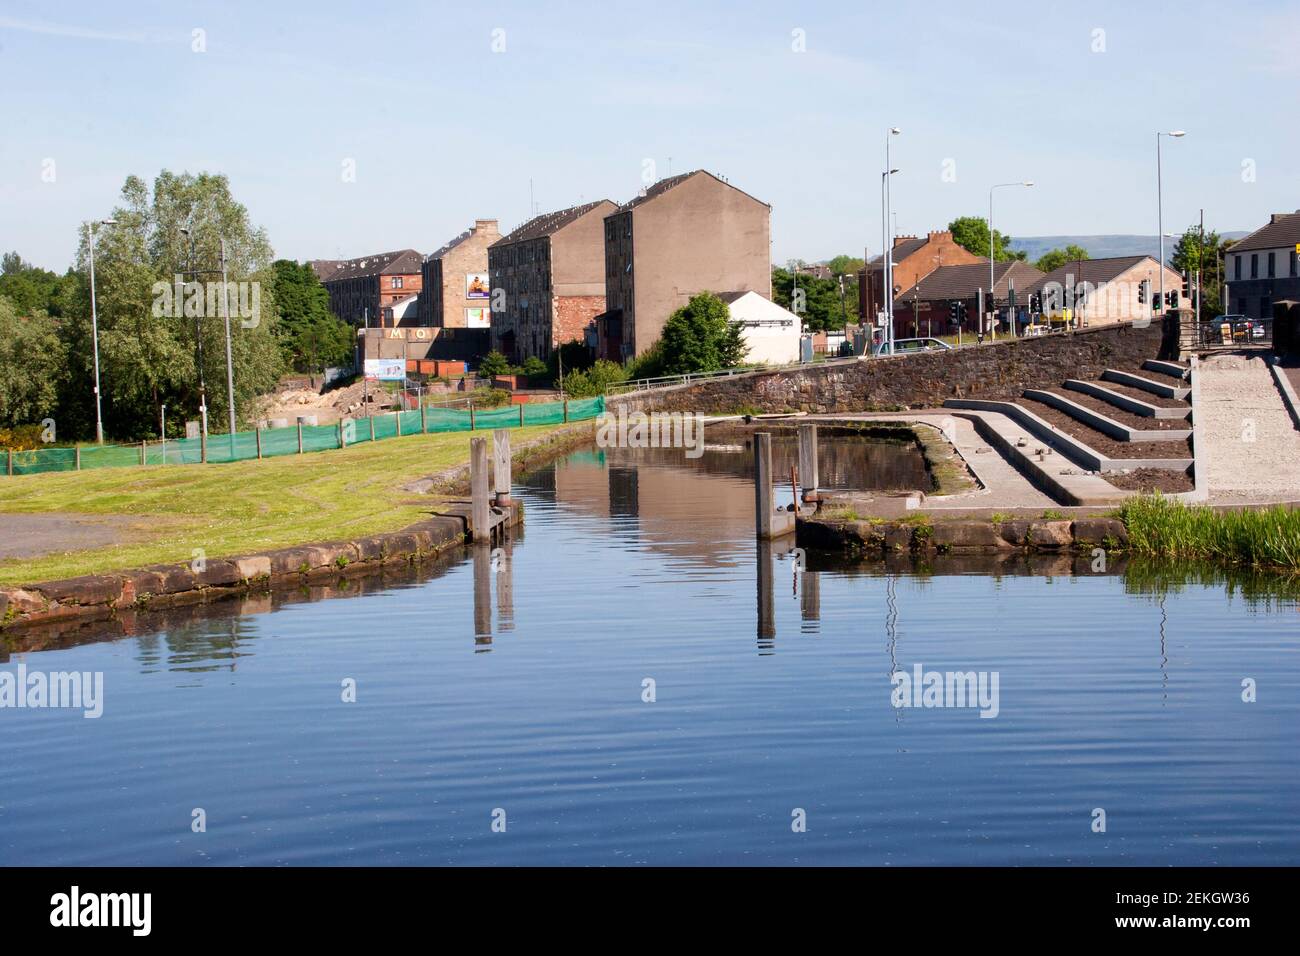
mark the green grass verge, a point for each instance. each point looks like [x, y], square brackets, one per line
[1262, 538]
[237, 508]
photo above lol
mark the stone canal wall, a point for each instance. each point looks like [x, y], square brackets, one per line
[872, 539]
[1002, 369]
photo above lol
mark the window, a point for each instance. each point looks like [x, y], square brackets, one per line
[1271, 272]
[1254, 265]
[397, 282]
[1236, 267]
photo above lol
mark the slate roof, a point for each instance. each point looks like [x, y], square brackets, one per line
[664, 185]
[965, 281]
[400, 262]
[549, 223]
[1282, 231]
[1095, 271]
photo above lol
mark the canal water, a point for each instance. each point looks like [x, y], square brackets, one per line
[633, 681]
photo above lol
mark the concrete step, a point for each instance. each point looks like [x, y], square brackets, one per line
[1107, 426]
[1146, 384]
[1067, 445]
[1176, 369]
[1126, 402]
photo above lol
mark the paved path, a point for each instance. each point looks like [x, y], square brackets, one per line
[1248, 447]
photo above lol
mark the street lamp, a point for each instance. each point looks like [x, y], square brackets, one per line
[886, 260]
[1028, 182]
[1160, 211]
[887, 264]
[94, 323]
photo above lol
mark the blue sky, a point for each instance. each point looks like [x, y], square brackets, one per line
[443, 130]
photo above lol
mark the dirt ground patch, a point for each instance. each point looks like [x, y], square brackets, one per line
[31, 535]
[1102, 443]
[1159, 401]
[1151, 479]
[1117, 414]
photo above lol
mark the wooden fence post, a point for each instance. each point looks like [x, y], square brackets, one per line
[424, 425]
[566, 409]
[78, 458]
[371, 419]
[142, 454]
[300, 438]
[258, 432]
[471, 415]
[343, 442]
[11, 462]
[521, 414]
[501, 466]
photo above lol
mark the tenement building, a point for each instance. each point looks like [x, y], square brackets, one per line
[548, 278]
[362, 289]
[684, 235]
[456, 291]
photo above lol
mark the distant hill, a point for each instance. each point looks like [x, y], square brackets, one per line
[1102, 247]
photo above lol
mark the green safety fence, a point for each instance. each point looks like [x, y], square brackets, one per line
[275, 442]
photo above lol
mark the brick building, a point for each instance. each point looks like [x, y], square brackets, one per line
[1112, 289]
[455, 290]
[551, 271]
[913, 259]
[361, 289]
[686, 234]
[923, 309]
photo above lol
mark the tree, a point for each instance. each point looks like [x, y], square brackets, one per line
[818, 303]
[1055, 258]
[845, 265]
[31, 367]
[30, 289]
[494, 363]
[148, 353]
[310, 335]
[972, 234]
[700, 337]
[1190, 255]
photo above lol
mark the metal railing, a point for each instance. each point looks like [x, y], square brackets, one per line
[1235, 331]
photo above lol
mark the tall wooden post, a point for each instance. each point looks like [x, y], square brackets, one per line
[763, 500]
[808, 461]
[480, 510]
[501, 466]
[257, 432]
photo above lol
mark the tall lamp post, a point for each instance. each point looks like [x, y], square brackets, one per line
[887, 265]
[1160, 211]
[94, 323]
[1028, 182]
[230, 368]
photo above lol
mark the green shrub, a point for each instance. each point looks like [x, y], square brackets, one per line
[494, 363]
[595, 380]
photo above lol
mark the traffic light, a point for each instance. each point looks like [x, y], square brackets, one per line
[1171, 298]
[954, 316]
[1187, 285]
[1144, 290]
[961, 311]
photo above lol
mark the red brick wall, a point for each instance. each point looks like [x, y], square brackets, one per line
[571, 314]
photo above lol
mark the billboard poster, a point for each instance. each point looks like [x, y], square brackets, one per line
[478, 319]
[476, 285]
[385, 370]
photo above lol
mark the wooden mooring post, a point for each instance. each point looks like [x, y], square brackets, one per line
[768, 521]
[501, 466]
[480, 502]
[808, 477]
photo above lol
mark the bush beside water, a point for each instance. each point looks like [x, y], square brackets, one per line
[1266, 537]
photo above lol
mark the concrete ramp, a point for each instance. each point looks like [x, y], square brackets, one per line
[1247, 445]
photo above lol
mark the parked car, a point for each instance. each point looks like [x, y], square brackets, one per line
[911, 346]
[1235, 328]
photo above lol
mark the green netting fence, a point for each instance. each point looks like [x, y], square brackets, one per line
[294, 440]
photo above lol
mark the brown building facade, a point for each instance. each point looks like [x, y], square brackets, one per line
[362, 289]
[914, 259]
[684, 235]
[456, 290]
[548, 280]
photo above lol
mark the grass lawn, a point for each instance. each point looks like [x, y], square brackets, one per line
[236, 508]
